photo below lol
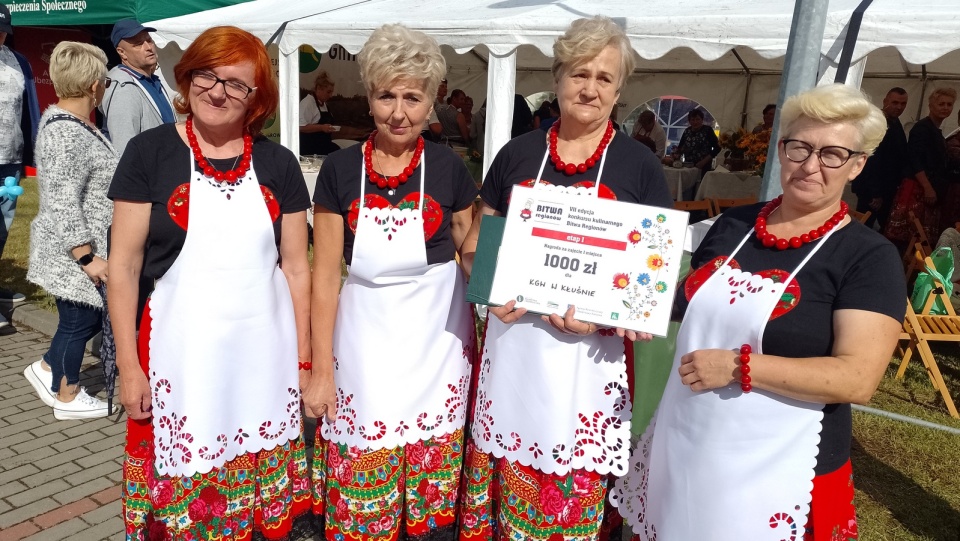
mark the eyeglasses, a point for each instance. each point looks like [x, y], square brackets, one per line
[234, 89]
[831, 157]
[107, 82]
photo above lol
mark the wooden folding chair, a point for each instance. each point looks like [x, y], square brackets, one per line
[861, 217]
[918, 236]
[720, 204]
[923, 328]
[689, 206]
[916, 264]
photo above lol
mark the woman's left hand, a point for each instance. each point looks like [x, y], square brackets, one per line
[707, 369]
[96, 270]
[569, 325]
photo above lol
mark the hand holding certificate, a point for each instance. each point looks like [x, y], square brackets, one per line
[616, 262]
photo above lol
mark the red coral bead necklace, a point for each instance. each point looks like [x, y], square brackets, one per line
[390, 181]
[571, 168]
[770, 240]
[209, 171]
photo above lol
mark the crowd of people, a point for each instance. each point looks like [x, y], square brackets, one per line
[227, 333]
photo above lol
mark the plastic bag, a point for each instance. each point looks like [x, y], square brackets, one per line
[922, 288]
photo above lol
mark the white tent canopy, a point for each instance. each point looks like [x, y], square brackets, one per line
[726, 54]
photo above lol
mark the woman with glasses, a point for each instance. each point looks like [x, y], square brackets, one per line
[210, 220]
[68, 237]
[790, 316]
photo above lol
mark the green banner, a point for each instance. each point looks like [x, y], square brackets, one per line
[78, 12]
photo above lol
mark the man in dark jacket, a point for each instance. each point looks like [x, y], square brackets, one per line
[878, 182]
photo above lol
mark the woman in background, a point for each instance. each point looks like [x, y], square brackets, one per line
[68, 237]
[316, 122]
[924, 193]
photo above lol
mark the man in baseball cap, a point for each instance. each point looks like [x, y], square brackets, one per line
[20, 114]
[137, 100]
[5, 26]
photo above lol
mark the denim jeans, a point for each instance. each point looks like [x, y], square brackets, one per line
[78, 324]
[7, 206]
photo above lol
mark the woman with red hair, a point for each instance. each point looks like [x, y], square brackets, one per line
[210, 222]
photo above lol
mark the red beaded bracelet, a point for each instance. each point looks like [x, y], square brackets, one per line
[306, 366]
[745, 368]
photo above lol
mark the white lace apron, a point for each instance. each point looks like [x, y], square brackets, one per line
[403, 338]
[223, 344]
[724, 465]
[550, 400]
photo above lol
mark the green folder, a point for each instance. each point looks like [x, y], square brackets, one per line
[485, 260]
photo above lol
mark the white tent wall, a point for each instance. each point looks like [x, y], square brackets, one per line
[684, 44]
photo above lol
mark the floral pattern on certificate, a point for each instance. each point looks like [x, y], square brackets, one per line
[646, 287]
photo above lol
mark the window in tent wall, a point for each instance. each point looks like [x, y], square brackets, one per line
[671, 113]
[538, 99]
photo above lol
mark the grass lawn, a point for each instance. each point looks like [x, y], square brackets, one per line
[907, 477]
[13, 264]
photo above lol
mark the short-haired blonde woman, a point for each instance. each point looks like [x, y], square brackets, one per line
[925, 192]
[211, 216]
[552, 416]
[790, 315]
[68, 237]
[316, 122]
[392, 352]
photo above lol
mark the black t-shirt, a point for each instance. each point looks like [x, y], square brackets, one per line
[631, 172]
[448, 185]
[856, 269]
[157, 162]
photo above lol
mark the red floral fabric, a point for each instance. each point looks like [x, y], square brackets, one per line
[833, 516]
[362, 494]
[509, 501]
[262, 492]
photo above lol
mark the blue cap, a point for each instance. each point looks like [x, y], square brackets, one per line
[127, 28]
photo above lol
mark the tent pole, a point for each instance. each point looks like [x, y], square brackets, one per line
[850, 42]
[923, 91]
[746, 94]
[501, 86]
[289, 102]
[799, 74]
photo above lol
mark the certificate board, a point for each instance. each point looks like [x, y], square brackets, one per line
[616, 262]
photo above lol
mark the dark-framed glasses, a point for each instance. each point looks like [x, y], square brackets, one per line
[831, 157]
[107, 82]
[233, 88]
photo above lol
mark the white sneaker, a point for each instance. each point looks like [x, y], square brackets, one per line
[11, 297]
[83, 406]
[41, 381]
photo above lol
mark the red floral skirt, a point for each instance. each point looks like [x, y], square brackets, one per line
[910, 198]
[361, 494]
[506, 500]
[833, 516]
[260, 492]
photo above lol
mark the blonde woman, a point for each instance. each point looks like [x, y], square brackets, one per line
[392, 352]
[68, 237]
[316, 122]
[790, 316]
[924, 193]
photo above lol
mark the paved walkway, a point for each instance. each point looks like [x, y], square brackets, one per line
[59, 480]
